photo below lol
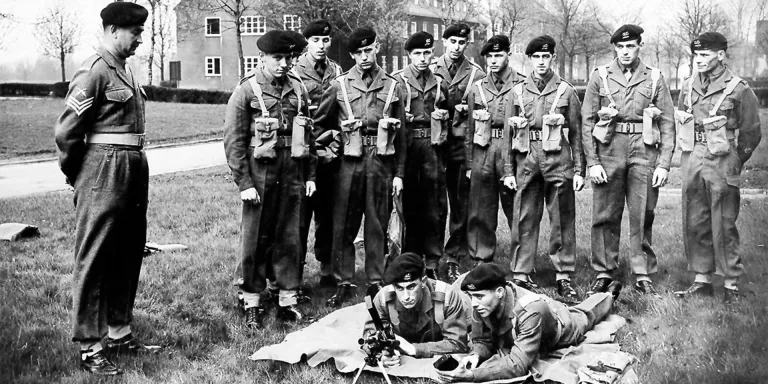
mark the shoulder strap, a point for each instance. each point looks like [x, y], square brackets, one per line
[471, 79]
[603, 72]
[439, 91]
[258, 93]
[690, 90]
[479, 85]
[389, 97]
[298, 86]
[438, 301]
[338, 69]
[655, 77]
[342, 81]
[408, 90]
[518, 88]
[560, 92]
[728, 90]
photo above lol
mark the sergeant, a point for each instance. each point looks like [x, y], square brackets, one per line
[427, 123]
[100, 138]
[270, 150]
[550, 165]
[628, 137]
[427, 315]
[367, 104]
[718, 128]
[459, 73]
[316, 70]
[511, 327]
[490, 166]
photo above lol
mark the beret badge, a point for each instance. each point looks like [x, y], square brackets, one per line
[625, 35]
[471, 286]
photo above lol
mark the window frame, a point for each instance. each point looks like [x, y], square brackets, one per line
[260, 25]
[206, 27]
[213, 64]
[295, 19]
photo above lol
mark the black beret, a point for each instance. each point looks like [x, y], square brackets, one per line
[627, 32]
[459, 30]
[123, 14]
[276, 41]
[497, 43]
[710, 40]
[406, 267]
[420, 40]
[361, 37]
[541, 44]
[484, 276]
[301, 42]
[318, 28]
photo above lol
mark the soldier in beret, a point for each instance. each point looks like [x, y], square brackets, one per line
[427, 125]
[490, 167]
[459, 72]
[511, 327]
[427, 315]
[316, 70]
[628, 137]
[367, 104]
[273, 173]
[100, 138]
[713, 156]
[549, 169]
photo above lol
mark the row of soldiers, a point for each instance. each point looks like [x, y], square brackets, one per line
[303, 137]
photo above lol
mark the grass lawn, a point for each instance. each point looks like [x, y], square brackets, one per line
[27, 125]
[186, 300]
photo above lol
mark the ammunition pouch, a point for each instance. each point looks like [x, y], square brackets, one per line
[685, 128]
[606, 127]
[353, 141]
[651, 133]
[264, 137]
[302, 127]
[521, 137]
[552, 132]
[385, 137]
[439, 121]
[717, 140]
[483, 122]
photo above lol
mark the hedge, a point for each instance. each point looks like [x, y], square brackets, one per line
[34, 89]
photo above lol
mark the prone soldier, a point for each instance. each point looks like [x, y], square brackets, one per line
[718, 128]
[367, 104]
[550, 167]
[100, 138]
[489, 161]
[628, 137]
[511, 326]
[460, 74]
[427, 120]
[270, 150]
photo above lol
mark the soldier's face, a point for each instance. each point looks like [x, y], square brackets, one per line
[277, 64]
[707, 60]
[497, 61]
[455, 46]
[126, 39]
[542, 62]
[318, 46]
[409, 293]
[365, 57]
[421, 58]
[627, 51]
[485, 302]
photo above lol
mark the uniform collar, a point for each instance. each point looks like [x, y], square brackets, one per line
[307, 63]
[267, 84]
[426, 300]
[119, 65]
[465, 68]
[716, 83]
[510, 78]
[413, 74]
[639, 73]
[376, 72]
[552, 83]
[502, 318]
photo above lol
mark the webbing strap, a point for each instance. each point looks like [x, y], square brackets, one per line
[343, 80]
[690, 90]
[259, 95]
[407, 89]
[479, 85]
[438, 299]
[394, 317]
[439, 91]
[471, 79]
[560, 92]
[297, 88]
[603, 72]
[655, 77]
[389, 98]
[728, 90]
[519, 92]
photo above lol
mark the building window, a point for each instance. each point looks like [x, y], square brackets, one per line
[384, 63]
[291, 22]
[213, 26]
[405, 29]
[471, 35]
[394, 64]
[405, 61]
[424, 26]
[517, 48]
[413, 27]
[436, 30]
[253, 25]
[213, 65]
[251, 62]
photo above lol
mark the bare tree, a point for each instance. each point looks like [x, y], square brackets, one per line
[675, 52]
[453, 11]
[5, 25]
[58, 32]
[562, 16]
[235, 9]
[699, 16]
[509, 17]
[164, 37]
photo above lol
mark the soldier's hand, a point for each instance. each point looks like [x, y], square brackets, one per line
[311, 188]
[458, 374]
[597, 174]
[250, 195]
[406, 347]
[397, 186]
[660, 177]
[510, 183]
[578, 183]
[389, 359]
[469, 174]
[469, 362]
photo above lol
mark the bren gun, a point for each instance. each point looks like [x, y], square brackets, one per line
[376, 343]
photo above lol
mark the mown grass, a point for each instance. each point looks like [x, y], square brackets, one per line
[27, 125]
[186, 300]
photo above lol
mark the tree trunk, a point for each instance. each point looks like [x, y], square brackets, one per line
[569, 78]
[240, 60]
[162, 66]
[63, 56]
[587, 64]
[152, 6]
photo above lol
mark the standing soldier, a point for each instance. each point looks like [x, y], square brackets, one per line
[550, 166]
[424, 201]
[718, 128]
[367, 104]
[100, 137]
[459, 74]
[269, 148]
[490, 166]
[628, 137]
[316, 71]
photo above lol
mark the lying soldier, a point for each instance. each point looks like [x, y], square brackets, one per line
[427, 316]
[512, 327]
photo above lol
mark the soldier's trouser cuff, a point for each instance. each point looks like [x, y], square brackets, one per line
[562, 276]
[704, 278]
[251, 299]
[287, 297]
[89, 348]
[119, 332]
[640, 278]
[732, 283]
